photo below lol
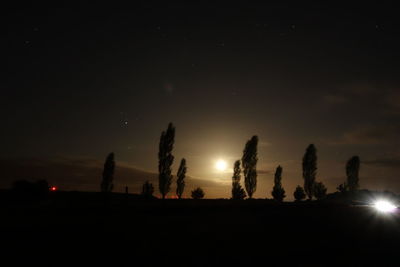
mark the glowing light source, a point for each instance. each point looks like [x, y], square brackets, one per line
[221, 165]
[53, 188]
[384, 206]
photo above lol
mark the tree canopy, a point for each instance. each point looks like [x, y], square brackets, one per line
[309, 169]
[249, 164]
[108, 174]
[278, 193]
[165, 160]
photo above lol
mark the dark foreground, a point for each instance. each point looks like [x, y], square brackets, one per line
[78, 229]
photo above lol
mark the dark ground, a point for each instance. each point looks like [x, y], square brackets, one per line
[78, 229]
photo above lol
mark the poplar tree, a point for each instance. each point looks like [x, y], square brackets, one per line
[249, 164]
[352, 169]
[165, 160]
[278, 193]
[309, 170]
[180, 182]
[237, 190]
[108, 174]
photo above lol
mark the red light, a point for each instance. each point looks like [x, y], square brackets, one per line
[53, 188]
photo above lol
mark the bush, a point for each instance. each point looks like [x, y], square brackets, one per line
[343, 188]
[147, 190]
[299, 193]
[319, 190]
[197, 193]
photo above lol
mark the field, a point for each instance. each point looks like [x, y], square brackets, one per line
[86, 229]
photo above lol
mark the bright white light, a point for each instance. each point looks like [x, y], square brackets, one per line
[221, 165]
[384, 206]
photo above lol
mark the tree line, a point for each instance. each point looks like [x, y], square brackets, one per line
[247, 166]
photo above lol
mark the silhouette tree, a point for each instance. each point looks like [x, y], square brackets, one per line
[165, 160]
[352, 169]
[309, 169]
[278, 193]
[198, 193]
[237, 190]
[108, 174]
[180, 182]
[299, 193]
[147, 190]
[342, 188]
[319, 190]
[249, 164]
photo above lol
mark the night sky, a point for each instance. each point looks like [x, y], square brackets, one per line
[80, 81]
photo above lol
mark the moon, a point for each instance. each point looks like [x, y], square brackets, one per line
[221, 165]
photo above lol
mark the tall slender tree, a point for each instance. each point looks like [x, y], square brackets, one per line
[352, 169]
[278, 193]
[237, 189]
[249, 164]
[180, 182]
[165, 160]
[309, 169]
[108, 174]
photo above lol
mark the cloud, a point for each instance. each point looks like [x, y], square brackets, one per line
[334, 99]
[392, 100]
[360, 88]
[263, 172]
[367, 135]
[82, 174]
[348, 93]
[384, 162]
[264, 144]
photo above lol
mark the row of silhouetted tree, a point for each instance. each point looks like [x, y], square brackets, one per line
[247, 165]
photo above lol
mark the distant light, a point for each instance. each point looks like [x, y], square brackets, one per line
[53, 188]
[221, 165]
[384, 206]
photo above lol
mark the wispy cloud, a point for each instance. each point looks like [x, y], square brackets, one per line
[264, 144]
[334, 99]
[392, 101]
[348, 93]
[367, 135]
[263, 171]
[384, 162]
